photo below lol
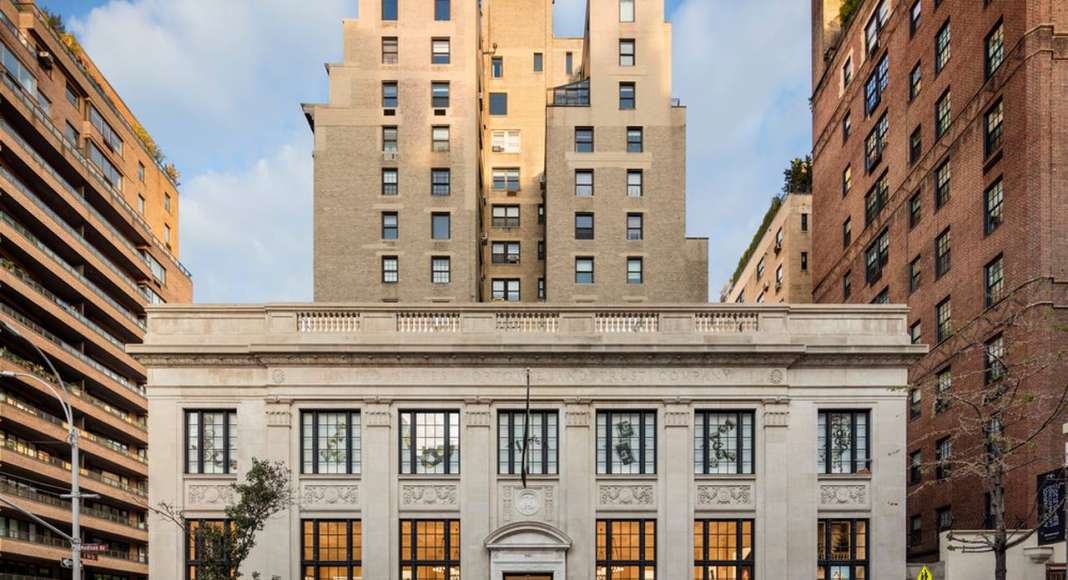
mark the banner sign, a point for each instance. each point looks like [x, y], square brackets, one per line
[1050, 497]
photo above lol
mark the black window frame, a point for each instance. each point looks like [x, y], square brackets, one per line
[192, 544]
[640, 271]
[390, 229]
[511, 289]
[447, 449]
[916, 467]
[582, 232]
[994, 367]
[628, 103]
[915, 273]
[993, 291]
[539, 62]
[353, 551]
[229, 464]
[739, 565]
[440, 187]
[875, 143]
[639, 185]
[944, 458]
[847, 232]
[635, 233]
[592, 272]
[354, 464]
[915, 210]
[506, 256]
[993, 136]
[581, 188]
[390, 50]
[395, 271]
[876, 84]
[825, 563]
[635, 145]
[943, 53]
[390, 189]
[434, 219]
[440, 276]
[498, 104]
[915, 144]
[440, 93]
[509, 431]
[943, 188]
[943, 253]
[505, 221]
[993, 211]
[942, 124]
[943, 324]
[942, 388]
[451, 564]
[441, 58]
[390, 101]
[604, 566]
[703, 465]
[880, 250]
[633, 55]
[390, 10]
[989, 67]
[916, 81]
[856, 462]
[605, 467]
[876, 198]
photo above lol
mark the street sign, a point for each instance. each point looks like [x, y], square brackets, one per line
[925, 574]
[94, 548]
[66, 563]
[89, 556]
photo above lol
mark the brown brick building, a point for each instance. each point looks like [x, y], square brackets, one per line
[939, 179]
[88, 239]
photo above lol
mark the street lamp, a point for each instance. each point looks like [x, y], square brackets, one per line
[75, 495]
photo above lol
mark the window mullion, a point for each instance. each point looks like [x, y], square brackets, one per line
[348, 447]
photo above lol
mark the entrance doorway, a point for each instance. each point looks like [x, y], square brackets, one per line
[528, 577]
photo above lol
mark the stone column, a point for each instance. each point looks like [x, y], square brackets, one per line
[380, 553]
[576, 486]
[773, 538]
[675, 536]
[476, 476]
[276, 543]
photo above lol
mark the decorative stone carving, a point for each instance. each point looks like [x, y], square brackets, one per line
[776, 377]
[725, 495]
[377, 416]
[435, 495]
[532, 502]
[527, 502]
[843, 495]
[279, 415]
[219, 494]
[677, 418]
[327, 495]
[578, 418]
[777, 415]
[278, 376]
[478, 416]
[626, 495]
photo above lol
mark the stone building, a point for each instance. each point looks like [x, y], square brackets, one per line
[682, 442]
[89, 230]
[938, 182]
[778, 268]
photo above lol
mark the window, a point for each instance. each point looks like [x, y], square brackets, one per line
[539, 62]
[505, 252]
[943, 175]
[197, 542]
[330, 442]
[626, 52]
[505, 141]
[943, 385]
[440, 226]
[210, 441]
[915, 144]
[994, 280]
[942, 48]
[634, 226]
[440, 181]
[389, 9]
[167, 234]
[634, 139]
[915, 403]
[915, 82]
[584, 270]
[541, 456]
[569, 66]
[847, 126]
[506, 289]
[441, 9]
[389, 50]
[584, 139]
[778, 239]
[439, 51]
[498, 103]
[17, 70]
[847, 71]
[842, 549]
[583, 183]
[389, 94]
[634, 183]
[389, 269]
[875, 200]
[541, 288]
[389, 139]
[141, 204]
[497, 67]
[626, 442]
[804, 261]
[804, 221]
[995, 49]
[72, 135]
[944, 516]
[167, 202]
[429, 442]
[943, 455]
[914, 16]
[914, 274]
[389, 225]
[626, 548]
[439, 94]
[847, 232]
[332, 549]
[847, 179]
[915, 530]
[110, 137]
[760, 268]
[847, 285]
[882, 297]
[541, 249]
[723, 549]
[873, 89]
[875, 143]
[389, 181]
[915, 467]
[72, 96]
[626, 96]
[439, 138]
[992, 210]
[634, 271]
[843, 441]
[506, 179]
[111, 173]
[440, 270]
[916, 333]
[140, 166]
[723, 442]
[505, 216]
[942, 114]
[430, 549]
[541, 213]
[993, 128]
[942, 254]
[626, 10]
[944, 319]
[874, 26]
[915, 210]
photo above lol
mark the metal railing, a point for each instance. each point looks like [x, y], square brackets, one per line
[54, 461]
[6, 399]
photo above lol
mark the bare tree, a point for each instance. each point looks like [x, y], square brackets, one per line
[1005, 393]
[222, 546]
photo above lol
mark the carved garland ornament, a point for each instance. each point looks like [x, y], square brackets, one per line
[215, 494]
[317, 495]
[725, 495]
[627, 495]
[838, 495]
[429, 495]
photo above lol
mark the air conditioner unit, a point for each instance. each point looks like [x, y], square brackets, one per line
[390, 155]
[45, 59]
[485, 239]
[389, 112]
[498, 149]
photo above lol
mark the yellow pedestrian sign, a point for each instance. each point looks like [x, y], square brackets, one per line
[925, 574]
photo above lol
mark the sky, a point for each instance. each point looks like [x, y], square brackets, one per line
[218, 84]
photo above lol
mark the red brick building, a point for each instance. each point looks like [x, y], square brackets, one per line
[940, 147]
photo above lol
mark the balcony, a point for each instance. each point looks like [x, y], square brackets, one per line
[43, 464]
[49, 506]
[54, 549]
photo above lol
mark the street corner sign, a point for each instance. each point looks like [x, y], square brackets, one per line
[925, 574]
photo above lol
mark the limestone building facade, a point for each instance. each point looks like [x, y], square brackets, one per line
[778, 269]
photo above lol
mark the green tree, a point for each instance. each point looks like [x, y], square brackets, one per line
[797, 178]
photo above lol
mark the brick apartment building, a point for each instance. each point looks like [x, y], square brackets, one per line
[89, 230]
[939, 181]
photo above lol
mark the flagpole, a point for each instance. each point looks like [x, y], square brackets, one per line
[526, 437]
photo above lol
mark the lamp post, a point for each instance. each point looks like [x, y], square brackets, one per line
[75, 494]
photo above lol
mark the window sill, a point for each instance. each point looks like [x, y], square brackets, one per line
[625, 477]
[725, 476]
[330, 476]
[992, 160]
[210, 476]
[530, 477]
[843, 476]
[428, 477]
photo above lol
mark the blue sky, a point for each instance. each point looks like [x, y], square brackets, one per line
[219, 85]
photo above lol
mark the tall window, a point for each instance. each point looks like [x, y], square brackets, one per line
[389, 50]
[505, 289]
[847, 179]
[440, 270]
[992, 210]
[914, 16]
[626, 442]
[916, 467]
[842, 549]
[389, 94]
[994, 368]
[875, 199]
[111, 174]
[723, 549]
[440, 52]
[876, 257]
[429, 442]
[995, 49]
[389, 9]
[389, 181]
[804, 221]
[875, 143]
[498, 103]
[847, 232]
[915, 210]
[915, 274]
[804, 261]
[634, 139]
[583, 139]
[439, 94]
[847, 71]
[915, 82]
[441, 9]
[844, 440]
[330, 442]
[200, 545]
[583, 226]
[942, 47]
[440, 226]
[626, 96]
[108, 135]
[944, 320]
[389, 269]
[634, 183]
[626, 52]
[943, 386]
[847, 126]
[439, 138]
[210, 441]
[873, 89]
[584, 270]
[915, 144]
[994, 280]
[332, 549]
[626, 10]
[626, 549]
[723, 442]
[390, 229]
[389, 139]
[497, 67]
[440, 181]
[874, 27]
[569, 63]
[505, 216]
[944, 518]
[506, 179]
[635, 273]
[943, 175]
[915, 403]
[944, 457]
[942, 114]
[847, 285]
[539, 62]
[942, 253]
[505, 252]
[542, 449]
[634, 226]
[583, 183]
[916, 332]
[993, 128]
[430, 549]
